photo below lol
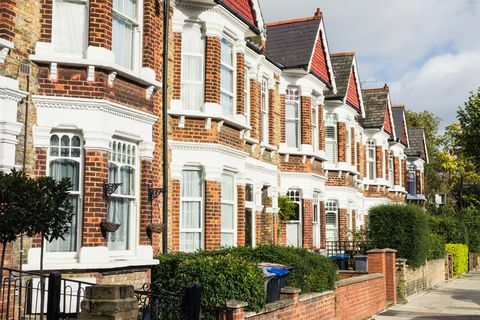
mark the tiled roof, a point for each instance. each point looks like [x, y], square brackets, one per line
[398, 113]
[291, 43]
[342, 67]
[417, 143]
[376, 104]
[243, 9]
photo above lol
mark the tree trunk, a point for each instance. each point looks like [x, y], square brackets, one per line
[2, 264]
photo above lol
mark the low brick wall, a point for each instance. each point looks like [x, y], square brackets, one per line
[345, 274]
[412, 281]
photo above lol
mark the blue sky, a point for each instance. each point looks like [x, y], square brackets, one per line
[428, 51]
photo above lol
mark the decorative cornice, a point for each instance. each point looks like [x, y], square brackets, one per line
[206, 147]
[92, 105]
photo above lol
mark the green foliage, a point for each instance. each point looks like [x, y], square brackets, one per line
[460, 257]
[287, 208]
[401, 227]
[437, 247]
[469, 119]
[220, 271]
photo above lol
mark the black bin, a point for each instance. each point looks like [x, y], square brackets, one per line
[341, 260]
[276, 279]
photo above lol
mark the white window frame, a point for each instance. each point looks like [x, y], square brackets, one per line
[201, 200]
[233, 203]
[316, 230]
[202, 69]
[348, 143]
[292, 98]
[137, 26]
[371, 146]
[79, 193]
[231, 68]
[264, 111]
[251, 206]
[55, 21]
[135, 199]
[391, 170]
[412, 180]
[331, 121]
[331, 207]
[296, 197]
[314, 124]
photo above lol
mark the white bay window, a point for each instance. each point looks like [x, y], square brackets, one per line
[193, 55]
[122, 168]
[125, 33]
[65, 161]
[331, 138]
[70, 26]
[371, 158]
[228, 238]
[292, 118]
[191, 215]
[227, 76]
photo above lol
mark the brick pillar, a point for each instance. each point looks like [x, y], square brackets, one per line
[354, 220]
[213, 216]
[384, 261]
[307, 223]
[46, 20]
[175, 215]
[148, 213]
[323, 226]
[104, 302]
[306, 119]
[404, 172]
[255, 105]
[379, 160]
[241, 215]
[387, 174]
[7, 16]
[212, 70]
[100, 26]
[418, 181]
[396, 171]
[321, 129]
[177, 65]
[272, 117]
[234, 310]
[342, 141]
[342, 224]
[352, 147]
[152, 36]
[240, 83]
[282, 118]
[94, 204]
[360, 158]
[40, 162]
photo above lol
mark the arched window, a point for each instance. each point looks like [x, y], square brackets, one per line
[65, 161]
[331, 211]
[294, 234]
[121, 204]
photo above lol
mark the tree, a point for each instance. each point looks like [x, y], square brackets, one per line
[469, 119]
[286, 212]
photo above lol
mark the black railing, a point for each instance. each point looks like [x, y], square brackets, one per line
[157, 304]
[351, 248]
[30, 295]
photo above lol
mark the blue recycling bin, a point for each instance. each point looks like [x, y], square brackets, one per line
[341, 260]
[275, 279]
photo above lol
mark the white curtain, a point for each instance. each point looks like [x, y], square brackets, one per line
[119, 212]
[192, 183]
[122, 41]
[226, 78]
[193, 51]
[292, 125]
[191, 220]
[70, 27]
[228, 214]
[190, 241]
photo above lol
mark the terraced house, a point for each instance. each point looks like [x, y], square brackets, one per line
[255, 111]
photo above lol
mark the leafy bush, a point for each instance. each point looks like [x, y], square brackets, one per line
[460, 257]
[401, 227]
[437, 247]
[232, 273]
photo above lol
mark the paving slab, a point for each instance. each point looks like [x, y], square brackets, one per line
[458, 299]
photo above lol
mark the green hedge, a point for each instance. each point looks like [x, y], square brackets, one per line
[437, 247]
[460, 257]
[401, 227]
[232, 273]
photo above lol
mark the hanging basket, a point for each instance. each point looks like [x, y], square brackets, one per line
[155, 227]
[109, 226]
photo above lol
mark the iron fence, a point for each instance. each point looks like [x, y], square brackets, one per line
[30, 295]
[157, 304]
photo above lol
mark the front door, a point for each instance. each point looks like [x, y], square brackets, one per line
[294, 226]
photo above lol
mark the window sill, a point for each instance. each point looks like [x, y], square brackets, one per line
[397, 189]
[212, 111]
[340, 166]
[99, 58]
[304, 150]
[268, 147]
[251, 140]
[376, 182]
[54, 264]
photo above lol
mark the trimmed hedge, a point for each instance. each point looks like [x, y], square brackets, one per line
[460, 257]
[232, 273]
[437, 247]
[404, 228]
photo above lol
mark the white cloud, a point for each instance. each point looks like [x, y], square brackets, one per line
[399, 40]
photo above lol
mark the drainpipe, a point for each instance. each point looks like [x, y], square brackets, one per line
[166, 15]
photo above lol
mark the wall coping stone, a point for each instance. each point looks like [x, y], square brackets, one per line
[313, 295]
[401, 260]
[236, 304]
[290, 290]
[352, 280]
[386, 250]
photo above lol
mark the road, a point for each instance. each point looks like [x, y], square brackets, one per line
[458, 299]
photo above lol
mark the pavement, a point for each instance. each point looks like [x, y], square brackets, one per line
[458, 299]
